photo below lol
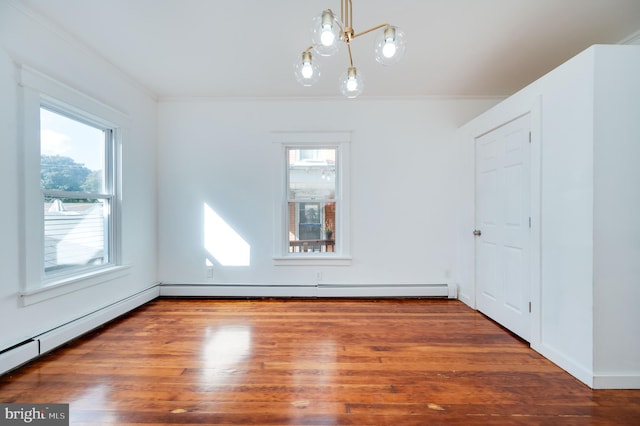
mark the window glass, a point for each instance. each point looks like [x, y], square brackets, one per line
[74, 233]
[312, 199]
[312, 174]
[76, 192]
[72, 154]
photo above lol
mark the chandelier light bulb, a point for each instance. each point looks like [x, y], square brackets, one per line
[390, 46]
[326, 32]
[327, 38]
[389, 49]
[351, 83]
[306, 70]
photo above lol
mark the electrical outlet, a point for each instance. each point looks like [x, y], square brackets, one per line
[209, 271]
[318, 276]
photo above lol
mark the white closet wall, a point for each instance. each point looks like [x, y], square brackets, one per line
[585, 264]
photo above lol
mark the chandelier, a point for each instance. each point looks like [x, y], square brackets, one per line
[329, 34]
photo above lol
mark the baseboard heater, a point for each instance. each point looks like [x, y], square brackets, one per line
[400, 290]
[315, 290]
[26, 351]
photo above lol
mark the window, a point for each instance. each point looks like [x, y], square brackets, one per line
[311, 189]
[76, 179]
[313, 212]
[70, 152]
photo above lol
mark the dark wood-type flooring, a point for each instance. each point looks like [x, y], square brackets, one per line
[310, 362]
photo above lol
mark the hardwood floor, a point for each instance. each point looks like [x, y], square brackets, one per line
[310, 362]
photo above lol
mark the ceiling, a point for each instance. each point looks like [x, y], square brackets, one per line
[246, 48]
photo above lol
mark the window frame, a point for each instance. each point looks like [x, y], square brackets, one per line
[313, 140]
[38, 91]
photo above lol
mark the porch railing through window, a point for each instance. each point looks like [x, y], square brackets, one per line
[305, 246]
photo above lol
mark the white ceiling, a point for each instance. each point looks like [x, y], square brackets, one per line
[246, 48]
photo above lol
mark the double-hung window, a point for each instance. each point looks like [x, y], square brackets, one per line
[313, 223]
[70, 152]
[77, 184]
[311, 199]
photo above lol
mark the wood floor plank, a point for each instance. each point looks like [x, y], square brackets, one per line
[310, 362]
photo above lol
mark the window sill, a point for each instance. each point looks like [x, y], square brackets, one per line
[71, 284]
[312, 260]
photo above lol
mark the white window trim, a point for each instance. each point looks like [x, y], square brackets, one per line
[73, 283]
[38, 89]
[318, 139]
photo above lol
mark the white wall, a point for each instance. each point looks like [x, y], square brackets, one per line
[617, 215]
[221, 152]
[585, 273]
[25, 39]
[561, 104]
[566, 285]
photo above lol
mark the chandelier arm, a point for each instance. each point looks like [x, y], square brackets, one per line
[350, 56]
[377, 27]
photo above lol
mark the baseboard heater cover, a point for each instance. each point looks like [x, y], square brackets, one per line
[400, 290]
[20, 354]
[239, 290]
[315, 290]
[82, 325]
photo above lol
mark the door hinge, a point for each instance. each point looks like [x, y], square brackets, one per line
[529, 222]
[529, 307]
[529, 137]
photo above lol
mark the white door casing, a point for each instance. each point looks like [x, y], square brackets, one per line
[503, 221]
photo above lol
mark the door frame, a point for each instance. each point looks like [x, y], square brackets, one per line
[501, 114]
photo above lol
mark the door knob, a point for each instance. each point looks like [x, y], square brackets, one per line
[477, 232]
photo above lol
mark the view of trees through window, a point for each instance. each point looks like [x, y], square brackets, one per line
[64, 174]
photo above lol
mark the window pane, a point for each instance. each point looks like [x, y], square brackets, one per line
[311, 174]
[74, 233]
[309, 224]
[312, 227]
[71, 154]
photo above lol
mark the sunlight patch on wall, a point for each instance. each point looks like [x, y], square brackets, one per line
[223, 243]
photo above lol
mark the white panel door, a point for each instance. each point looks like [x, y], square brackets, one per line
[503, 225]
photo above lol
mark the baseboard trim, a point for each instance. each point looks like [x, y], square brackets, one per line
[567, 364]
[616, 382]
[312, 290]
